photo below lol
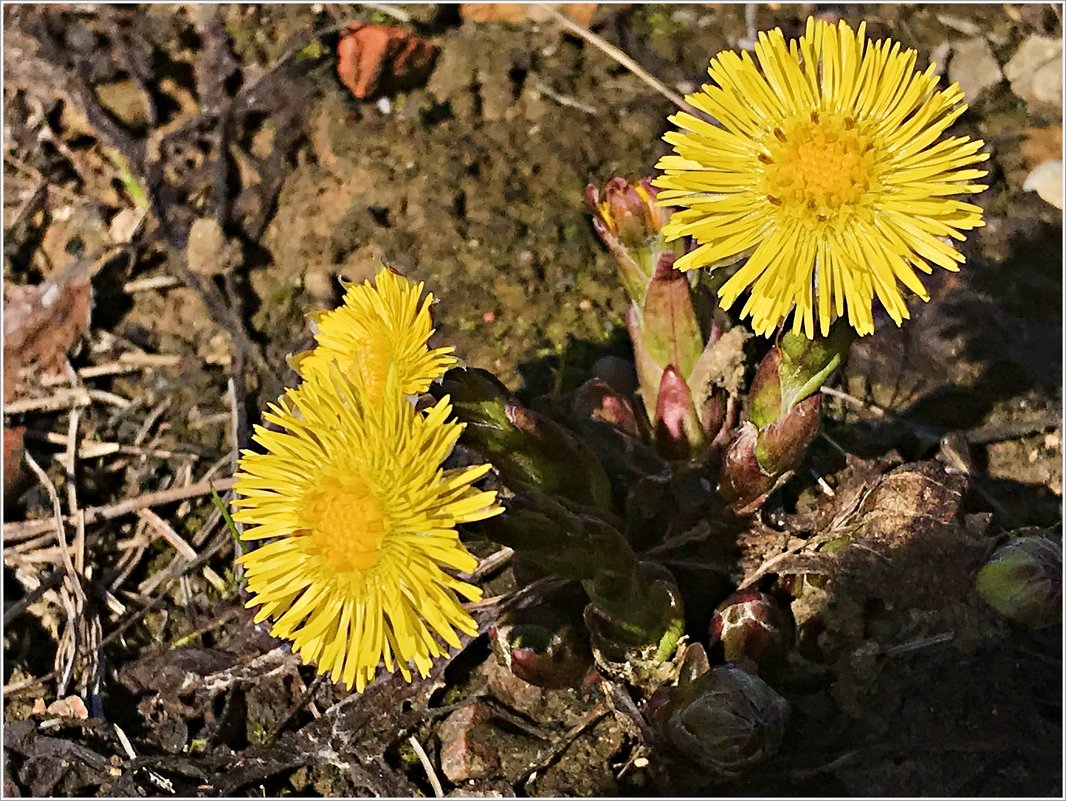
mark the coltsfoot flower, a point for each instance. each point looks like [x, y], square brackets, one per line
[387, 323]
[361, 521]
[828, 171]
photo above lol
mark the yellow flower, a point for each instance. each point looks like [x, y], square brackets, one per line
[362, 522]
[828, 171]
[379, 326]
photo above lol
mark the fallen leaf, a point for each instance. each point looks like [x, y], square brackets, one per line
[41, 324]
[581, 13]
[380, 60]
[12, 457]
[70, 707]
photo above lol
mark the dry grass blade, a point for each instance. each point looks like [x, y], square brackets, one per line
[57, 522]
[77, 398]
[185, 551]
[427, 765]
[28, 528]
[167, 532]
[618, 55]
[134, 617]
[71, 593]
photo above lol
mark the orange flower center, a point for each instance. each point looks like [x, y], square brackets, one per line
[344, 524]
[819, 169]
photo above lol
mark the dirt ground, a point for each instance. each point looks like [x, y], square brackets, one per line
[267, 180]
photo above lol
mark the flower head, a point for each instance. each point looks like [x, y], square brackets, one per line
[629, 222]
[362, 522]
[378, 326]
[828, 170]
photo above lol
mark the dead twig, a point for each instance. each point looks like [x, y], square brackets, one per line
[127, 363]
[185, 551]
[65, 399]
[875, 410]
[998, 432]
[27, 528]
[18, 607]
[489, 565]
[564, 100]
[921, 642]
[167, 532]
[72, 594]
[431, 774]
[93, 449]
[57, 522]
[152, 284]
[618, 55]
[185, 567]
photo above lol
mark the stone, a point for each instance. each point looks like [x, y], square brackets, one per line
[125, 100]
[1035, 71]
[465, 748]
[973, 67]
[208, 251]
[1046, 181]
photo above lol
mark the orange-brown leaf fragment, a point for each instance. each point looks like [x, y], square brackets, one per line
[377, 60]
[41, 324]
[13, 448]
[1041, 144]
[515, 13]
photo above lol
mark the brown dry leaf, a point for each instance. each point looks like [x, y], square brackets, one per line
[1041, 144]
[41, 324]
[379, 59]
[13, 448]
[70, 707]
[581, 13]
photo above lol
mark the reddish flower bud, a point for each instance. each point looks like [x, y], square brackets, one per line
[596, 400]
[749, 625]
[677, 424]
[628, 221]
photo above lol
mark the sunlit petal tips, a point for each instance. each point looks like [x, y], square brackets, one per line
[828, 170]
[379, 325]
[363, 549]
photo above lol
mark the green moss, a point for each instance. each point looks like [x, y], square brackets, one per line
[282, 295]
[657, 21]
[453, 695]
[407, 753]
[258, 733]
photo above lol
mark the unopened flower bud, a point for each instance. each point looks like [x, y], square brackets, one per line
[726, 720]
[1023, 581]
[677, 424]
[547, 656]
[749, 625]
[596, 400]
[629, 222]
[784, 415]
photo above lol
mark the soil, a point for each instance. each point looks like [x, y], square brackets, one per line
[904, 683]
